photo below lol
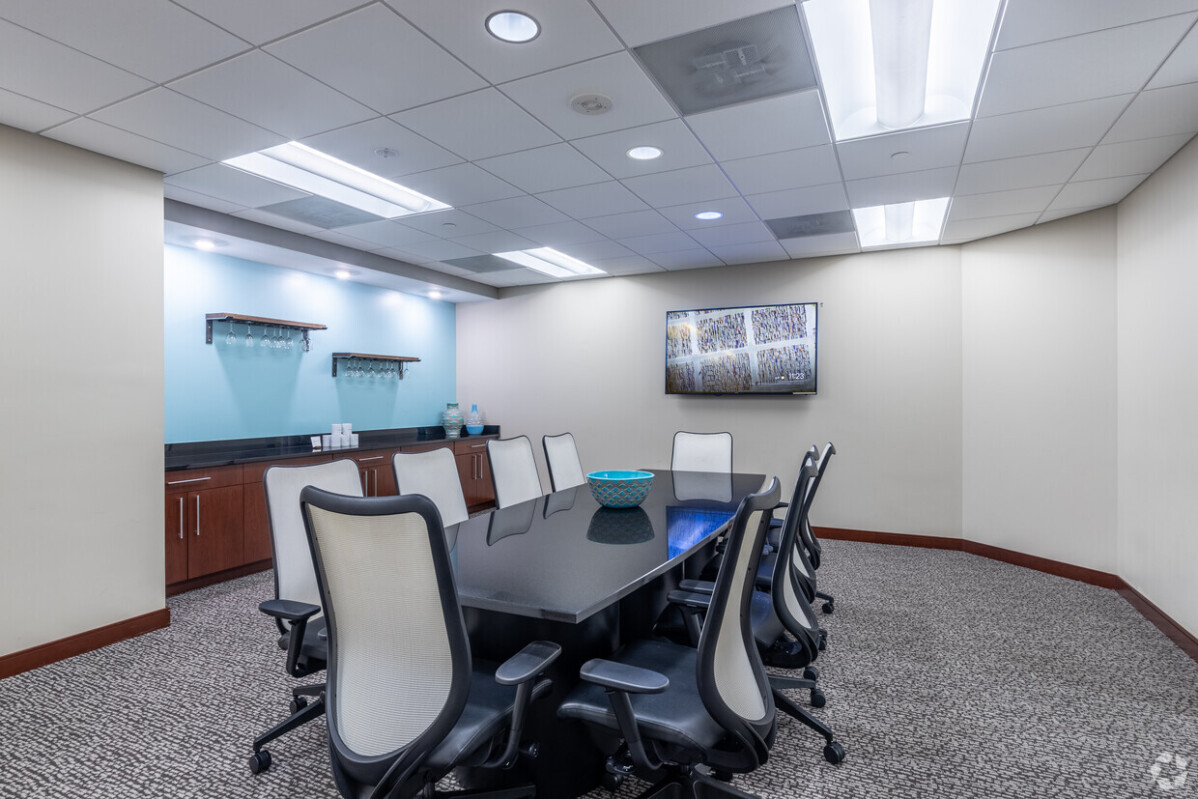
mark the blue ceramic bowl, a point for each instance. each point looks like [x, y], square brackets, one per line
[620, 489]
[474, 429]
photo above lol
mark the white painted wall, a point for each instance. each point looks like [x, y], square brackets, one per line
[81, 321]
[1038, 390]
[589, 358]
[1158, 388]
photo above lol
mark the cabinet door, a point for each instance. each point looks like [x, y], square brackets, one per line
[215, 539]
[474, 470]
[384, 479]
[257, 544]
[176, 537]
[484, 490]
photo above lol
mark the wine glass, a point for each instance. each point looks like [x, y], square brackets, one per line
[249, 336]
[231, 339]
[279, 343]
[290, 344]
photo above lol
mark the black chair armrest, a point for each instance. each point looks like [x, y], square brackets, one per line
[622, 677]
[690, 599]
[527, 663]
[289, 609]
[699, 586]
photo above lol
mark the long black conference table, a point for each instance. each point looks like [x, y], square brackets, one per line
[562, 568]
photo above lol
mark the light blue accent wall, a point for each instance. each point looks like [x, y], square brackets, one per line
[220, 391]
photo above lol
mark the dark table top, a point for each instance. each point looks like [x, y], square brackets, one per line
[564, 557]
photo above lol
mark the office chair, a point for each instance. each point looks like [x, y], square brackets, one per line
[435, 475]
[513, 470]
[689, 718]
[701, 452]
[561, 454]
[296, 606]
[405, 703]
[810, 542]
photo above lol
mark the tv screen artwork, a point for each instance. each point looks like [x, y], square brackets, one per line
[763, 349]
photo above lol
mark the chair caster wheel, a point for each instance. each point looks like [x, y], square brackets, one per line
[823, 641]
[817, 698]
[259, 761]
[828, 607]
[611, 782]
[834, 752]
[298, 704]
[810, 673]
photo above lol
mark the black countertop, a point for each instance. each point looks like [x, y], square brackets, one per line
[208, 454]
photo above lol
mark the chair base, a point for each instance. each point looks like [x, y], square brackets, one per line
[693, 784]
[302, 713]
[518, 792]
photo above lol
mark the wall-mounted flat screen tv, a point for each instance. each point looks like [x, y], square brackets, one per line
[756, 349]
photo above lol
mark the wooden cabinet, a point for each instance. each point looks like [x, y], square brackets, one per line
[474, 470]
[378, 478]
[203, 522]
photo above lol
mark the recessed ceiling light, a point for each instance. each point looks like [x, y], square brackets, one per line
[550, 262]
[645, 153]
[343, 274]
[205, 244]
[513, 26]
[434, 295]
[707, 216]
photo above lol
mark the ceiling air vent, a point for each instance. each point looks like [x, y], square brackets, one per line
[746, 59]
[482, 263]
[797, 227]
[321, 212]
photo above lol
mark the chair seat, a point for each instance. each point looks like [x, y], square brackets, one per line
[676, 716]
[488, 711]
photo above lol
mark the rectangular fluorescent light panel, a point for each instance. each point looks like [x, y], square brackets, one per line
[301, 167]
[955, 47]
[899, 224]
[550, 262]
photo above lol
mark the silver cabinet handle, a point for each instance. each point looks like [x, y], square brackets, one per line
[375, 458]
[180, 518]
[197, 514]
[192, 480]
[477, 446]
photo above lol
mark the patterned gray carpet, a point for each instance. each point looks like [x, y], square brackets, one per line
[947, 675]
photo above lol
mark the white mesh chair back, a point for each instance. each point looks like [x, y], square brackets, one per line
[732, 680]
[561, 455]
[295, 578]
[789, 603]
[513, 470]
[399, 661]
[702, 485]
[702, 452]
[435, 475]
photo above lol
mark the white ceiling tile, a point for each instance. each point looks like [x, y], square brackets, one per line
[557, 166]
[263, 90]
[685, 259]
[639, 22]
[440, 250]
[751, 253]
[359, 145]
[461, 184]
[560, 234]
[1003, 203]
[1082, 67]
[263, 20]
[1088, 193]
[926, 185]
[734, 210]
[227, 183]
[55, 74]
[1159, 112]
[105, 139]
[274, 220]
[960, 230]
[908, 151]
[477, 125]
[201, 200]
[590, 251]
[517, 212]
[660, 242]
[497, 241]
[1030, 21]
[571, 31]
[635, 99]
[679, 149]
[1137, 157]
[786, 122]
[827, 244]
[1020, 173]
[394, 66]
[116, 31]
[799, 202]
[1043, 130]
[629, 265]
[32, 115]
[638, 223]
[728, 235]
[163, 115]
[452, 224]
[810, 166]
[1181, 66]
[600, 199]
[1053, 214]
[692, 184]
[387, 233]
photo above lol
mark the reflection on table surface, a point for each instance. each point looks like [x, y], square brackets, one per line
[564, 557]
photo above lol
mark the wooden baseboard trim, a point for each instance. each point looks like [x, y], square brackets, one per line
[219, 577]
[54, 651]
[1179, 635]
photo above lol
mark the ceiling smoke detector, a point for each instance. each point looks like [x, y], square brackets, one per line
[591, 104]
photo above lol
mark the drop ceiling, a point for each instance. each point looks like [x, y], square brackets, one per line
[1080, 101]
